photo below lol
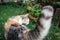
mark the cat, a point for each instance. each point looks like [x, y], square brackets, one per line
[42, 26]
[18, 21]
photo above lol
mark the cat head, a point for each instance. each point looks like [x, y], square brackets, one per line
[25, 19]
[47, 11]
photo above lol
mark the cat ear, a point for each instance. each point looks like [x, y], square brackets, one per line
[26, 15]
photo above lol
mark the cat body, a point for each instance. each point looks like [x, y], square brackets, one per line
[42, 26]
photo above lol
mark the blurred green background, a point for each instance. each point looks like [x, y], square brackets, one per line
[8, 10]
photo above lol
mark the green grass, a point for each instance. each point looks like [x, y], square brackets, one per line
[8, 10]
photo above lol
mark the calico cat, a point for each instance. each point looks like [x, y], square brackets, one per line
[17, 23]
[42, 27]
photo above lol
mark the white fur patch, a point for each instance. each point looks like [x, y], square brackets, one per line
[47, 13]
[46, 25]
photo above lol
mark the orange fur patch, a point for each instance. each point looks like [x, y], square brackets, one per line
[8, 24]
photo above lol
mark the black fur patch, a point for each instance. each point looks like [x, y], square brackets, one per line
[13, 33]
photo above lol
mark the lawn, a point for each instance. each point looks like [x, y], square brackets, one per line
[8, 10]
